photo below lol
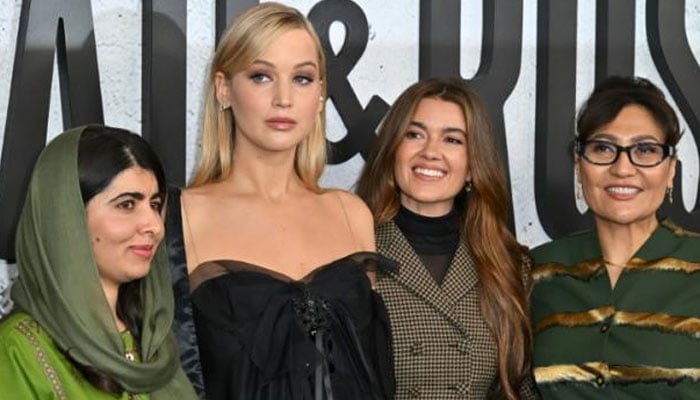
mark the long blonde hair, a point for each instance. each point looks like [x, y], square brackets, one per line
[243, 41]
[499, 257]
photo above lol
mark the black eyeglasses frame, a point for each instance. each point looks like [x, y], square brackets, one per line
[580, 145]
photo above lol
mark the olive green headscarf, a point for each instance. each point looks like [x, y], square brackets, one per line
[59, 284]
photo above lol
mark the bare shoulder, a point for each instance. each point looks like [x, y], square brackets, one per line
[192, 194]
[205, 196]
[202, 191]
[354, 206]
[359, 217]
[205, 205]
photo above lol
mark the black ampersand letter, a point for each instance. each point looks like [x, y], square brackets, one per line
[361, 123]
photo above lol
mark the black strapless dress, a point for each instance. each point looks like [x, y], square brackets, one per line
[263, 335]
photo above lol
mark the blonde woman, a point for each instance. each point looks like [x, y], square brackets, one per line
[280, 271]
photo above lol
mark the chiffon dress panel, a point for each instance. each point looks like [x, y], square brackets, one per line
[263, 335]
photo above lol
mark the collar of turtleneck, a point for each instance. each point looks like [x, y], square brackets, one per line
[430, 235]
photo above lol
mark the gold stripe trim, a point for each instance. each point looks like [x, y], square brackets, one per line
[600, 373]
[587, 372]
[584, 270]
[689, 326]
[668, 264]
[631, 374]
[25, 327]
[678, 230]
[668, 323]
[589, 269]
[590, 317]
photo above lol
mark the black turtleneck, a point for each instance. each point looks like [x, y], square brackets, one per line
[434, 239]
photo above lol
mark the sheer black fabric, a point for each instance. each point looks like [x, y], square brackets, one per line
[434, 239]
[263, 335]
[183, 325]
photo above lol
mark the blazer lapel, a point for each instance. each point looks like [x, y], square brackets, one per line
[461, 277]
[411, 272]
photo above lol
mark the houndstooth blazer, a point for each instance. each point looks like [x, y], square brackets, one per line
[442, 346]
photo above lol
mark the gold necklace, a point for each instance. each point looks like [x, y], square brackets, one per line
[612, 264]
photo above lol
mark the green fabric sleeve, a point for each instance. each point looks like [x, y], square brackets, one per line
[32, 367]
[21, 374]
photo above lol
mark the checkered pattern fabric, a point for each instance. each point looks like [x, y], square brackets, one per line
[442, 346]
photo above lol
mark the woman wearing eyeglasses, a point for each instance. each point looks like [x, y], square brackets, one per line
[616, 310]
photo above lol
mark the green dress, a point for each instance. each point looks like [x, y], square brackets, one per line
[32, 367]
[638, 340]
[59, 286]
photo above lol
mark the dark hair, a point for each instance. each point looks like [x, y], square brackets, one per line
[614, 93]
[499, 257]
[103, 153]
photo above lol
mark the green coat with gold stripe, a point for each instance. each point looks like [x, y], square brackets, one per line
[640, 340]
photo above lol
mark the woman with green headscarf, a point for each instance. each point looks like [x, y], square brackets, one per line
[93, 301]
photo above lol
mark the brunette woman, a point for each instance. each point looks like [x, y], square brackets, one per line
[457, 303]
[616, 309]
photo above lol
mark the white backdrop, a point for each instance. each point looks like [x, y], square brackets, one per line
[389, 64]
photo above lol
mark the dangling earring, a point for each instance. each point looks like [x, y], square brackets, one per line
[579, 191]
[669, 192]
[468, 186]
[578, 188]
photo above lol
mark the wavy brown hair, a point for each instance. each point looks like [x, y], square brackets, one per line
[485, 211]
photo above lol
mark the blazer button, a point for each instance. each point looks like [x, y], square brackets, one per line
[461, 389]
[414, 392]
[463, 346]
[605, 327]
[417, 348]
